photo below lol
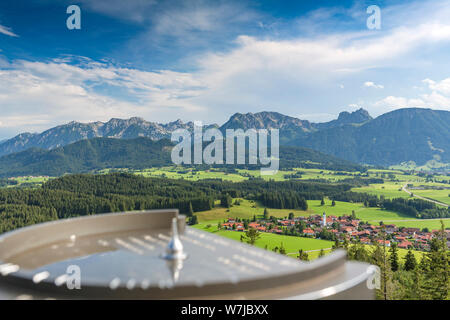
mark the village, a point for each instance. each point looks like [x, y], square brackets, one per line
[338, 228]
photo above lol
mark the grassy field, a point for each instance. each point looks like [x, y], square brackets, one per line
[391, 188]
[292, 244]
[247, 209]
[439, 195]
[388, 189]
[30, 181]
[242, 174]
[184, 173]
[208, 221]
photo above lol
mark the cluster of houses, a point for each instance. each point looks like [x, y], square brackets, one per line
[352, 229]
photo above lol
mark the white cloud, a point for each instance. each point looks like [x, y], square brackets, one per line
[442, 86]
[393, 102]
[291, 75]
[35, 95]
[438, 97]
[7, 31]
[371, 84]
[257, 72]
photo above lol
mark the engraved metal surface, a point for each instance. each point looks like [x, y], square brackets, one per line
[127, 263]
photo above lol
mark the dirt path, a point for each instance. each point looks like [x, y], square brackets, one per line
[423, 198]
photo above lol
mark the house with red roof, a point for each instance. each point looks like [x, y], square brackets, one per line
[253, 225]
[405, 244]
[387, 243]
[309, 232]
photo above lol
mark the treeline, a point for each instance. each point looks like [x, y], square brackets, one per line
[350, 196]
[13, 216]
[283, 200]
[87, 194]
[8, 182]
[416, 208]
[94, 154]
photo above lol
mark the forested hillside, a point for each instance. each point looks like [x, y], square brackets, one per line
[100, 153]
[411, 134]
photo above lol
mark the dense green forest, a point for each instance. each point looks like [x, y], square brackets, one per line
[86, 194]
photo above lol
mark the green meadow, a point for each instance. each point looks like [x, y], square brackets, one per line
[439, 195]
[209, 220]
[388, 189]
[247, 209]
[270, 240]
[30, 181]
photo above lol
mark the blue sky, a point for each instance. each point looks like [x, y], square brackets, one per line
[205, 60]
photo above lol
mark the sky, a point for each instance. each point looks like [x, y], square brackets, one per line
[198, 60]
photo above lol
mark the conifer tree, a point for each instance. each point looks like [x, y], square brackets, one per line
[410, 261]
[191, 211]
[393, 258]
[251, 235]
[435, 267]
[266, 214]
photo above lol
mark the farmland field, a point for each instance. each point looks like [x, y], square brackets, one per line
[439, 195]
[292, 244]
[247, 209]
[388, 189]
[30, 181]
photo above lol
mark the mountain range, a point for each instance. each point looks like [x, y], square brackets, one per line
[413, 134]
[410, 134]
[75, 131]
[137, 127]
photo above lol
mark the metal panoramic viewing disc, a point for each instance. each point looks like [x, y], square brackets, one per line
[153, 255]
